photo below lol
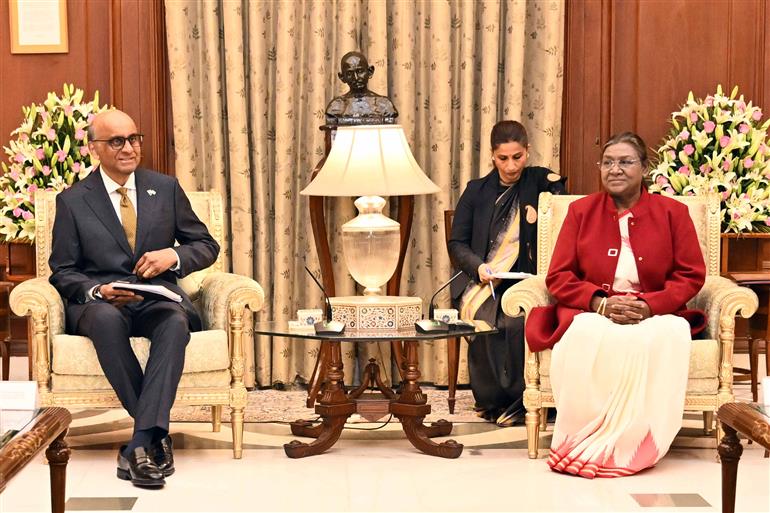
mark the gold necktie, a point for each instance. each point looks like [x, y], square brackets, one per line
[127, 216]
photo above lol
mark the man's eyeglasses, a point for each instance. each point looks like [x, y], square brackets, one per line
[623, 164]
[117, 143]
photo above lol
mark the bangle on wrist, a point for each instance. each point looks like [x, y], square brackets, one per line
[602, 306]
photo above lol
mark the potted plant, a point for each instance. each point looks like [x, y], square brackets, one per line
[49, 151]
[718, 144]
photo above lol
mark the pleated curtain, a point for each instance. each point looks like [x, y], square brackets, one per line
[250, 82]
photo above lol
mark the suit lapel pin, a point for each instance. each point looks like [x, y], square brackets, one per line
[151, 192]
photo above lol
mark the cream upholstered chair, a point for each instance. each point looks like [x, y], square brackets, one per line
[66, 369]
[710, 382]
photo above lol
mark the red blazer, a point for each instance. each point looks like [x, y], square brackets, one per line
[668, 260]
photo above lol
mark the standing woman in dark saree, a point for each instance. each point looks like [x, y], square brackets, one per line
[495, 230]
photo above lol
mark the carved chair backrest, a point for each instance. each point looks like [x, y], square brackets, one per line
[704, 211]
[206, 205]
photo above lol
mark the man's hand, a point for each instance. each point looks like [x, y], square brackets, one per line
[627, 309]
[153, 263]
[118, 297]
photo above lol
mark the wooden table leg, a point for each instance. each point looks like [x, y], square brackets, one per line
[730, 451]
[411, 408]
[334, 408]
[58, 454]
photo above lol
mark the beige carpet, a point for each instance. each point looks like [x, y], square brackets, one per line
[287, 406]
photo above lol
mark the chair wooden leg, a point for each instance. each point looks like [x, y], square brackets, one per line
[6, 356]
[453, 365]
[236, 421]
[753, 364]
[543, 418]
[532, 420]
[708, 422]
[216, 418]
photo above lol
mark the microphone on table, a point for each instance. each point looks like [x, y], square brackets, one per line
[431, 325]
[328, 326]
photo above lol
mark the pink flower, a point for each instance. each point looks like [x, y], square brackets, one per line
[744, 128]
[741, 106]
[726, 165]
[757, 115]
[661, 180]
[17, 212]
[80, 134]
[689, 149]
[61, 155]
[26, 215]
[68, 110]
[693, 116]
[724, 140]
[684, 170]
[747, 162]
[40, 154]
[767, 221]
[762, 149]
[76, 167]
[30, 171]
[90, 118]
[736, 216]
[24, 137]
[704, 168]
[51, 135]
[43, 114]
[83, 151]
[671, 154]
[709, 101]
[684, 134]
[19, 158]
[14, 173]
[709, 126]
[46, 170]
[32, 188]
[725, 195]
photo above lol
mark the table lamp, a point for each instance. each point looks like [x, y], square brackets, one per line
[371, 161]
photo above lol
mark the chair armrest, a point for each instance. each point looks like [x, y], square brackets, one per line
[223, 294]
[39, 299]
[722, 298]
[526, 295]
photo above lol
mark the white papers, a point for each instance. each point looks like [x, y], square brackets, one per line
[144, 289]
[512, 275]
[18, 395]
[14, 420]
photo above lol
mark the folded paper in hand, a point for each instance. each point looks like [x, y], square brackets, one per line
[149, 291]
[512, 275]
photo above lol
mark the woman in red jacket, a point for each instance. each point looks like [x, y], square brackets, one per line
[624, 267]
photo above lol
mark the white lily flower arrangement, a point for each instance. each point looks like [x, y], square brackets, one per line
[717, 144]
[50, 152]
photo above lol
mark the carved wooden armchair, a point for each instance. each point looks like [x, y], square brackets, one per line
[67, 370]
[710, 382]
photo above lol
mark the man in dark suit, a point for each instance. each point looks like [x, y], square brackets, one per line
[120, 224]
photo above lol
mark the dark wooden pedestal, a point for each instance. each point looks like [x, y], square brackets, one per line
[17, 264]
[335, 406]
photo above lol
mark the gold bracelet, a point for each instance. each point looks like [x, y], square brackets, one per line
[602, 306]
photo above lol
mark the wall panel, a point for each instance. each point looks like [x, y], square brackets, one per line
[630, 63]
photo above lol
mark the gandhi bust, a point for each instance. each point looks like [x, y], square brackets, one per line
[359, 106]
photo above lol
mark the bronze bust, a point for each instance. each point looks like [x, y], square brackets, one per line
[359, 106]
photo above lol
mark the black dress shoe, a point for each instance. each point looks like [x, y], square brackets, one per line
[138, 468]
[163, 455]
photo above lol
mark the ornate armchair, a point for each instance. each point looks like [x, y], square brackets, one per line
[710, 382]
[66, 368]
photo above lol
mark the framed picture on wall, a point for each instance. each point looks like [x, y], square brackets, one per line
[38, 26]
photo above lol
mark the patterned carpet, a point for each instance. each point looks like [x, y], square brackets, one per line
[287, 406]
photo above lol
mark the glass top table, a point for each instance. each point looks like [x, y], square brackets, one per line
[24, 434]
[282, 329]
[336, 404]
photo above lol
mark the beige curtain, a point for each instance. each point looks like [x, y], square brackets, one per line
[250, 82]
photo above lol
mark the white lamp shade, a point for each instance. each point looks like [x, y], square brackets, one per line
[370, 160]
